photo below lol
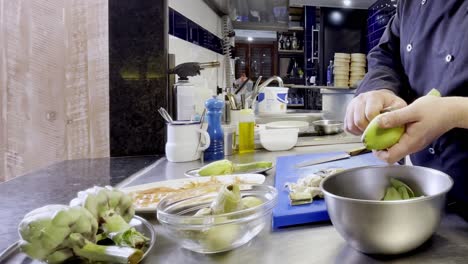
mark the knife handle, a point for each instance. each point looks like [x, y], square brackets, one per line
[358, 151]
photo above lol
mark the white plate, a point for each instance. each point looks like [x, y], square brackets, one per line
[193, 173]
[301, 125]
[179, 183]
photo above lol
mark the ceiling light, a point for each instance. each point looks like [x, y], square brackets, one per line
[336, 18]
[347, 2]
[250, 39]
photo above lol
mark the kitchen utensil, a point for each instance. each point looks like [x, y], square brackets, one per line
[301, 125]
[323, 160]
[183, 141]
[229, 140]
[238, 90]
[232, 101]
[279, 139]
[353, 199]
[243, 106]
[286, 215]
[328, 127]
[13, 254]
[165, 115]
[186, 183]
[358, 151]
[214, 233]
[202, 119]
[348, 154]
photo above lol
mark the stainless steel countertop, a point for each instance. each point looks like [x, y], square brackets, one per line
[313, 243]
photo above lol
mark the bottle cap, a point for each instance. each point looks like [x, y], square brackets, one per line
[214, 103]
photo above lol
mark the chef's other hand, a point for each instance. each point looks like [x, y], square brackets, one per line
[423, 126]
[362, 109]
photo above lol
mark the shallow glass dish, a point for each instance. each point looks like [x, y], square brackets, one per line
[214, 233]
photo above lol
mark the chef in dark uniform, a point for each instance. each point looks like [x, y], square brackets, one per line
[425, 46]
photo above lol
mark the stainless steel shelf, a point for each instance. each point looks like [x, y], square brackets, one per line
[290, 51]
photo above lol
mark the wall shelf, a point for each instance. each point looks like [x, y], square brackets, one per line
[290, 51]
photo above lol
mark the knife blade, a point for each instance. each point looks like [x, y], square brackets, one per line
[322, 160]
[348, 154]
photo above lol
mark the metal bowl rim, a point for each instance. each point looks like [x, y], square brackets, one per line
[323, 122]
[409, 201]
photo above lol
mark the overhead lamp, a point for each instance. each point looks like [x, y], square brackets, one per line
[347, 2]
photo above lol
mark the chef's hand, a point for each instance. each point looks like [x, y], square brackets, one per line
[423, 126]
[362, 109]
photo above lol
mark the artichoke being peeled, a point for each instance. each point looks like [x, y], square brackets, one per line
[377, 138]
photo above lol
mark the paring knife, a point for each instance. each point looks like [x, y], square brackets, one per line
[347, 155]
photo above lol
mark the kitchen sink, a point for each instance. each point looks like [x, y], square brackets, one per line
[291, 115]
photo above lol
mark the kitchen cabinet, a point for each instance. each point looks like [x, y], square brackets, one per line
[256, 60]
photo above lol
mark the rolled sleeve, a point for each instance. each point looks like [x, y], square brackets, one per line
[384, 62]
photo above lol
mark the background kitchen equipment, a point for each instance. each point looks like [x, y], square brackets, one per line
[385, 227]
[273, 100]
[230, 141]
[185, 94]
[335, 101]
[328, 127]
[183, 141]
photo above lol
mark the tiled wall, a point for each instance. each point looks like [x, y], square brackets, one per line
[379, 15]
[185, 29]
[195, 33]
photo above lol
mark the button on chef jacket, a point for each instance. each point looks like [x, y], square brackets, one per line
[425, 46]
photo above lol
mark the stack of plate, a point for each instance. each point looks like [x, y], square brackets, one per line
[341, 69]
[358, 68]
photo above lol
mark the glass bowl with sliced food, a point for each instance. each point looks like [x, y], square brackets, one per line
[219, 219]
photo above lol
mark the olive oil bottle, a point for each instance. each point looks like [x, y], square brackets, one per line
[246, 131]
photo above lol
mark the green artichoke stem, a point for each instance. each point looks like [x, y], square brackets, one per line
[96, 253]
[252, 166]
[117, 229]
[228, 200]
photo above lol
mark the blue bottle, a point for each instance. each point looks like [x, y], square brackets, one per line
[330, 74]
[214, 111]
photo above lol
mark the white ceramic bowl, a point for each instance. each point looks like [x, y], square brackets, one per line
[279, 139]
[301, 125]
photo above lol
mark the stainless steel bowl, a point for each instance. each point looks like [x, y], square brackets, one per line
[328, 127]
[353, 199]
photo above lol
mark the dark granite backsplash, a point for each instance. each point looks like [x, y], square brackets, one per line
[138, 80]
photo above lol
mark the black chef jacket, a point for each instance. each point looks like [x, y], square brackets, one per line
[425, 46]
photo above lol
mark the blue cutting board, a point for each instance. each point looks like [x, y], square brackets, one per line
[286, 215]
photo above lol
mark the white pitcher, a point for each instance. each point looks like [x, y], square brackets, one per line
[183, 141]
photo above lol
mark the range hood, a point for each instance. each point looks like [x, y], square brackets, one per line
[254, 14]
